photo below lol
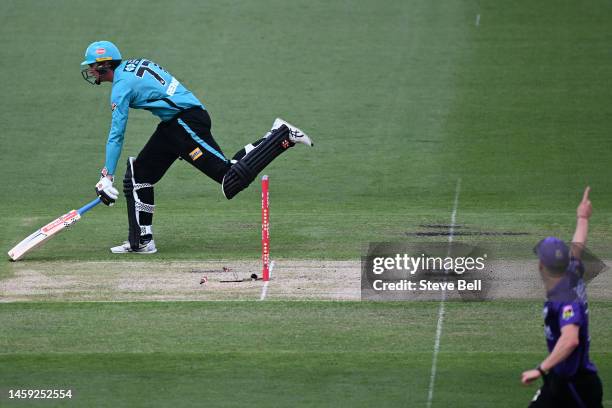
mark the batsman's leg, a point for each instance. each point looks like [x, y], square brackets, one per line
[198, 147]
[140, 200]
[141, 175]
[296, 135]
[251, 160]
[140, 207]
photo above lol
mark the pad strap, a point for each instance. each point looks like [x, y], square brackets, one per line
[144, 207]
[138, 186]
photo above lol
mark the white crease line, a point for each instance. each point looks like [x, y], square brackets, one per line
[441, 309]
[264, 290]
[454, 214]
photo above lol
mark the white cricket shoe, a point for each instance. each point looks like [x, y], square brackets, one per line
[296, 135]
[148, 248]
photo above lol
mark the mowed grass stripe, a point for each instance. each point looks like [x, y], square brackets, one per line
[164, 379]
[319, 326]
[533, 119]
[220, 353]
[280, 353]
[215, 326]
[313, 379]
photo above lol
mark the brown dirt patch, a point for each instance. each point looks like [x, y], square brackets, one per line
[291, 280]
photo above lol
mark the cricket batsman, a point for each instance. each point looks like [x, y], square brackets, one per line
[570, 378]
[184, 132]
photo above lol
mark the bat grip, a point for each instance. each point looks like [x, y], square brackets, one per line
[89, 206]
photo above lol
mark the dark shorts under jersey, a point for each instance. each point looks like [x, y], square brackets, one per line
[583, 391]
[186, 136]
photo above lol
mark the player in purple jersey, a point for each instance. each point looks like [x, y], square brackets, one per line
[570, 378]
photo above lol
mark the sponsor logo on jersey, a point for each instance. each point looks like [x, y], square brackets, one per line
[172, 87]
[130, 65]
[568, 312]
[195, 154]
[100, 51]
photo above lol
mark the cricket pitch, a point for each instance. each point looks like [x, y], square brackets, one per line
[176, 281]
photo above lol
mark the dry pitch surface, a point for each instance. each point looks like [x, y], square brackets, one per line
[291, 280]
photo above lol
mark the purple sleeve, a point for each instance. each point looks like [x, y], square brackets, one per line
[570, 313]
[576, 266]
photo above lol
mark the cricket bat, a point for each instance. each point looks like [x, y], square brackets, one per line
[49, 231]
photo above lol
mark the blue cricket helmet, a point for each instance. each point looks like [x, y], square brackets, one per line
[99, 51]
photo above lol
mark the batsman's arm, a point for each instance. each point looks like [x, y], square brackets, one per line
[120, 106]
[583, 213]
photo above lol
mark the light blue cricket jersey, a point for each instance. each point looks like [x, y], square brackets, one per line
[142, 84]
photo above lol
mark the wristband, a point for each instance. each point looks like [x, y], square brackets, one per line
[541, 370]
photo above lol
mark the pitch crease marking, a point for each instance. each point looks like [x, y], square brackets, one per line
[264, 290]
[441, 310]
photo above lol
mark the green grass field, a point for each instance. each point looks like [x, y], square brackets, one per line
[278, 354]
[402, 99]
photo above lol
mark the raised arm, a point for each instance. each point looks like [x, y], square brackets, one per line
[583, 213]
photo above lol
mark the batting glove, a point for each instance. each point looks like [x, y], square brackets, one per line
[105, 190]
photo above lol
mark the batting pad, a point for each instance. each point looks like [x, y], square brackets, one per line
[242, 173]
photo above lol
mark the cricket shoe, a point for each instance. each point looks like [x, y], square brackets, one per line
[296, 135]
[144, 248]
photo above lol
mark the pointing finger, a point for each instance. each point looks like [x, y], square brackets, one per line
[585, 197]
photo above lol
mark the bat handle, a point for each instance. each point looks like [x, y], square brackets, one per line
[89, 206]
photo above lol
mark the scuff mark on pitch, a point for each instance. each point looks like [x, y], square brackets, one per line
[445, 226]
[464, 233]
